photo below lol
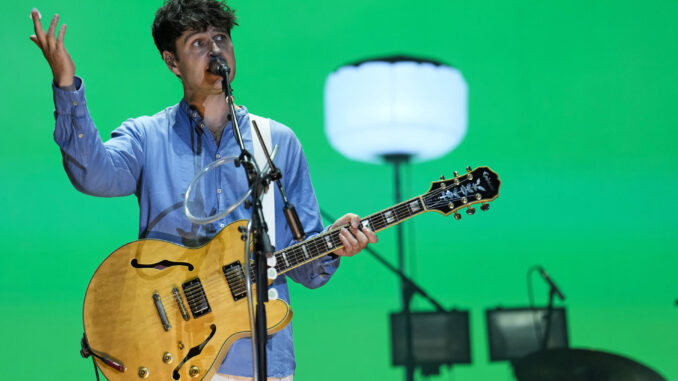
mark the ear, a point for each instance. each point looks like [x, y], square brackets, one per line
[170, 61]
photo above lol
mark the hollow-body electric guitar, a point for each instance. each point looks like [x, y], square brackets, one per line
[158, 310]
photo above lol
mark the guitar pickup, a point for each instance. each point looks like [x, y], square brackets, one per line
[235, 277]
[196, 297]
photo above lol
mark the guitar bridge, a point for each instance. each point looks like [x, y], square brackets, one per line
[180, 303]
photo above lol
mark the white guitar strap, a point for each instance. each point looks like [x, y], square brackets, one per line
[268, 202]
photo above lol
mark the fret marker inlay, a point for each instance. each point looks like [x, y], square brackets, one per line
[284, 257]
[328, 241]
[389, 217]
[414, 206]
[303, 248]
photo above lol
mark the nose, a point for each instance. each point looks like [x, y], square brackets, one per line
[214, 48]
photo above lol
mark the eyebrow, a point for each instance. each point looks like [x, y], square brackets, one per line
[191, 34]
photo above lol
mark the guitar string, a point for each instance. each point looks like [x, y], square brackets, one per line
[296, 256]
[236, 281]
[221, 294]
[194, 294]
[194, 290]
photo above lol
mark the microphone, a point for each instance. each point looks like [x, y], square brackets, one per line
[218, 66]
[551, 283]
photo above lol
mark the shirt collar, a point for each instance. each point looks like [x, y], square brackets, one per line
[240, 112]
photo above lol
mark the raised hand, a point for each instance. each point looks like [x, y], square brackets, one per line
[61, 63]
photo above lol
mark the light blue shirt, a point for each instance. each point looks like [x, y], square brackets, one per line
[156, 157]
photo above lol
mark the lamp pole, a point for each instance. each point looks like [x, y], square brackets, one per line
[397, 160]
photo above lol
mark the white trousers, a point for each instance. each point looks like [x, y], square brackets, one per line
[225, 377]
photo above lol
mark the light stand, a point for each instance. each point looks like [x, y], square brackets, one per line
[408, 286]
[405, 287]
[396, 109]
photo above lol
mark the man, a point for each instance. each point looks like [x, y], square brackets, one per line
[156, 157]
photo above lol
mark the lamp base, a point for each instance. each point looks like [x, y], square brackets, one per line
[397, 158]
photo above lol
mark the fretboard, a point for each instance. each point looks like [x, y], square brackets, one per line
[327, 242]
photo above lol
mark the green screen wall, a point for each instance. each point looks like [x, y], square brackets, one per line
[572, 103]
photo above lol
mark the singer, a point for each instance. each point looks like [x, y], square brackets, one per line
[155, 157]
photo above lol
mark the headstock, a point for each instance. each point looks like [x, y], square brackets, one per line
[478, 186]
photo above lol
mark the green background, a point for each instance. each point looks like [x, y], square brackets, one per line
[572, 103]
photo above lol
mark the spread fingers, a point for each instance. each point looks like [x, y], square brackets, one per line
[60, 38]
[51, 40]
[40, 39]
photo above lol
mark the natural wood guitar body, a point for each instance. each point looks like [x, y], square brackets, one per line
[152, 304]
[122, 321]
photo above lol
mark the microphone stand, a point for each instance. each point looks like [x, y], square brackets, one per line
[549, 316]
[262, 244]
[263, 249]
[553, 291]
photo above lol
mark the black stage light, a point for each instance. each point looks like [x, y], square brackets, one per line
[516, 332]
[438, 338]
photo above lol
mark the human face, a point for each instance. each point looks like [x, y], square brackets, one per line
[194, 50]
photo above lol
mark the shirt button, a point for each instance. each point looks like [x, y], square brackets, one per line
[218, 156]
[75, 103]
[202, 125]
[221, 225]
[80, 135]
[219, 190]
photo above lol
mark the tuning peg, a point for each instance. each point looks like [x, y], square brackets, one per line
[272, 273]
[456, 174]
[457, 216]
[470, 211]
[485, 207]
[468, 168]
[442, 177]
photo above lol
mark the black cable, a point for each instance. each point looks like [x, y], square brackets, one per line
[96, 369]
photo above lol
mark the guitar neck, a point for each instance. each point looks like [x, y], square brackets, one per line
[327, 242]
[478, 186]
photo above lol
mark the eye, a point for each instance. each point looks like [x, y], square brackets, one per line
[198, 42]
[220, 37]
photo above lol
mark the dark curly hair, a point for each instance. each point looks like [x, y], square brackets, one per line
[177, 16]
